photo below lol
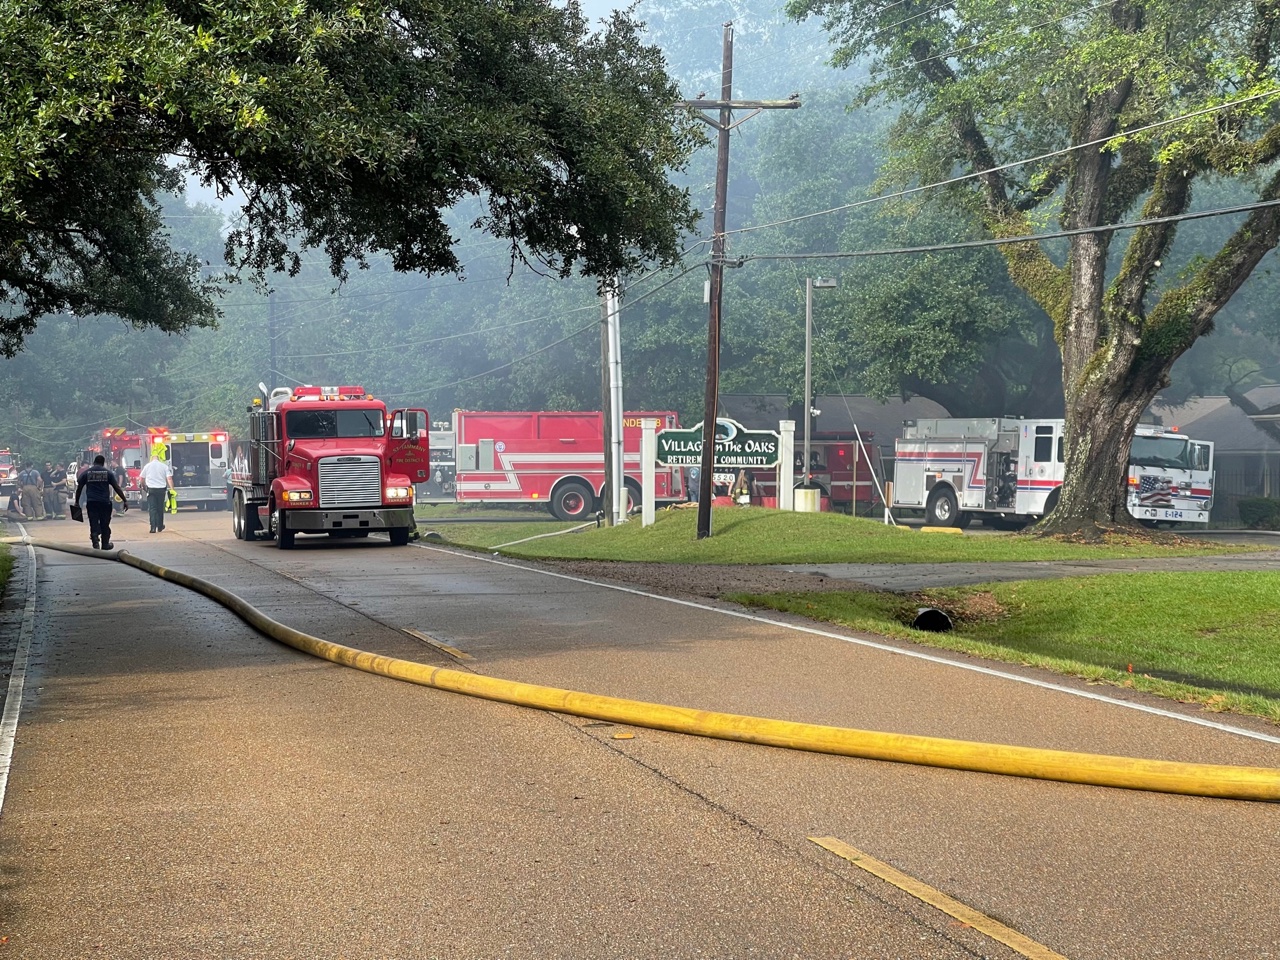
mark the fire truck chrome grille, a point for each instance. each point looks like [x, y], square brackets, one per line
[350, 482]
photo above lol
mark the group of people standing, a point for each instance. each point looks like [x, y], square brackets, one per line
[39, 494]
[42, 495]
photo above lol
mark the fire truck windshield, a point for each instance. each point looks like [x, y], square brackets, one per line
[1160, 452]
[325, 423]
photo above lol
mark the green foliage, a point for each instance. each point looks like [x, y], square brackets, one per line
[1087, 117]
[1259, 513]
[349, 128]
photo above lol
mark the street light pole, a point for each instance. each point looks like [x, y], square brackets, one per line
[821, 283]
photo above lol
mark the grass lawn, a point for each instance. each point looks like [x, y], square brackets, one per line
[1208, 638]
[492, 526]
[1202, 637]
[772, 536]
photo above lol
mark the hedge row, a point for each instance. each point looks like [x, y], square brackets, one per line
[1259, 513]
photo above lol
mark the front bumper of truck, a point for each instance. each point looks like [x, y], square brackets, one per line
[322, 521]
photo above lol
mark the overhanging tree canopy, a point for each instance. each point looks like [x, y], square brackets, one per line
[984, 83]
[346, 126]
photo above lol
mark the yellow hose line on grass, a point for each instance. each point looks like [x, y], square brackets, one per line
[1195, 779]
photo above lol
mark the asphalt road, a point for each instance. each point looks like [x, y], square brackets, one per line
[183, 788]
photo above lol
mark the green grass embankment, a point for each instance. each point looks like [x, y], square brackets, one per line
[1197, 637]
[1207, 638]
[755, 536]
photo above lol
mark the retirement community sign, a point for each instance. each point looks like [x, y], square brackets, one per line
[735, 446]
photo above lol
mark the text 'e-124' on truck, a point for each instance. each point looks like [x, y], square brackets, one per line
[327, 460]
[1009, 472]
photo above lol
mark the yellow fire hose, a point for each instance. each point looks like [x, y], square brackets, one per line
[1194, 779]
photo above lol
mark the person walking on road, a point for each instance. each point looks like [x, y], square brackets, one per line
[98, 482]
[157, 479]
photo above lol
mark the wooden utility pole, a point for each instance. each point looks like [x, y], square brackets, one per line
[724, 124]
[271, 335]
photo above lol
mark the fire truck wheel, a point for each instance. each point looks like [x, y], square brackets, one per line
[399, 536]
[572, 501]
[284, 536]
[237, 518]
[942, 509]
[1051, 501]
[635, 499]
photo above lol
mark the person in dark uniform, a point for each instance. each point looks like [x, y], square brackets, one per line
[55, 491]
[98, 482]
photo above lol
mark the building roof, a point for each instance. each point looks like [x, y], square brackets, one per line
[876, 420]
[1217, 419]
[757, 411]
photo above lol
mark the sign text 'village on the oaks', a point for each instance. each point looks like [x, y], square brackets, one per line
[735, 446]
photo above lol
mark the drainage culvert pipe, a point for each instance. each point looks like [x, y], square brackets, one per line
[1195, 779]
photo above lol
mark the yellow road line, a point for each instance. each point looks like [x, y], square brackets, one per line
[922, 891]
[442, 647]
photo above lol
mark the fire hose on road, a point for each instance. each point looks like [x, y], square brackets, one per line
[1194, 779]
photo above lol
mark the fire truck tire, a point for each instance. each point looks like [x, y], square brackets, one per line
[238, 524]
[284, 536]
[572, 501]
[399, 536]
[942, 510]
[1051, 501]
[634, 498]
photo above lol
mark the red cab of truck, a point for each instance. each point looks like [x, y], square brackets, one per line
[328, 460]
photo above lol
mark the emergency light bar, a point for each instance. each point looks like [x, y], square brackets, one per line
[329, 393]
[189, 437]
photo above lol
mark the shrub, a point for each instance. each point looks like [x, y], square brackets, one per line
[1260, 513]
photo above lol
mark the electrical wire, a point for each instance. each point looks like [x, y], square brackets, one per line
[533, 353]
[1005, 166]
[1002, 241]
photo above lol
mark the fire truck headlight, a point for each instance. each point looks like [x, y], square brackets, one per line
[296, 495]
[399, 493]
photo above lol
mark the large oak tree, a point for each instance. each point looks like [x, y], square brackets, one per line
[984, 83]
[347, 126]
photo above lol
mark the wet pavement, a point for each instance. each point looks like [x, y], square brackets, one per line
[182, 787]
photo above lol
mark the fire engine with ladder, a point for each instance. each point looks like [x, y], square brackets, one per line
[1009, 472]
[546, 457]
[327, 460]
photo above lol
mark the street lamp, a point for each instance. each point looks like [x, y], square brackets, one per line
[822, 283]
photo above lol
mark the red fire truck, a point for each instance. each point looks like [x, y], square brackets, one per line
[128, 449]
[837, 467]
[327, 460]
[8, 473]
[550, 457]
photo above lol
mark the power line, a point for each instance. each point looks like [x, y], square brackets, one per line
[533, 353]
[1008, 166]
[1002, 241]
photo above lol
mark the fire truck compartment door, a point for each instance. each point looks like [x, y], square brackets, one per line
[467, 459]
[908, 482]
[484, 455]
[409, 447]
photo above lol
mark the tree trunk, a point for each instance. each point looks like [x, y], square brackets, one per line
[1099, 428]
